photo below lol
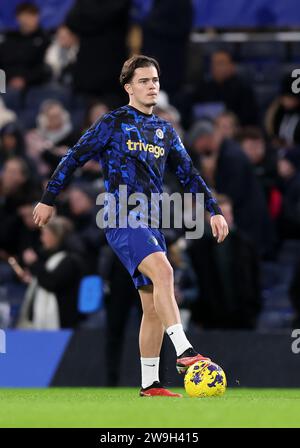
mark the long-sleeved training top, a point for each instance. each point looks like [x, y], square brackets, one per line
[133, 149]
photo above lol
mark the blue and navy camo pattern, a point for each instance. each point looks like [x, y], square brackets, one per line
[133, 149]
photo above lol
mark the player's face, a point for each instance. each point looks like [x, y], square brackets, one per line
[144, 86]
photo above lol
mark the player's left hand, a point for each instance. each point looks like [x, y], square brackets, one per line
[219, 227]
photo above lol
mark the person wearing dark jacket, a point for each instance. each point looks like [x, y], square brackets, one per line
[102, 28]
[82, 212]
[282, 120]
[16, 188]
[227, 89]
[228, 278]
[22, 52]
[225, 167]
[52, 296]
[289, 184]
[166, 32]
[12, 142]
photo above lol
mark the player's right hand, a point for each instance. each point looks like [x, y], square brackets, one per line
[42, 214]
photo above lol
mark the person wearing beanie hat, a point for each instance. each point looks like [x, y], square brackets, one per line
[199, 129]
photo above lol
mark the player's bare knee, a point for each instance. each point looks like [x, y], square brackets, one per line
[163, 275]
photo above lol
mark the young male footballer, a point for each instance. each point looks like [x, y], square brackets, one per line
[134, 146]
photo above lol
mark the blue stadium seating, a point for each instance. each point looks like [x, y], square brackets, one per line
[262, 51]
[13, 100]
[36, 96]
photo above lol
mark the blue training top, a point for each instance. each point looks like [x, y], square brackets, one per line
[133, 149]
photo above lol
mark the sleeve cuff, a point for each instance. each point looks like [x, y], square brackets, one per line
[48, 198]
[215, 210]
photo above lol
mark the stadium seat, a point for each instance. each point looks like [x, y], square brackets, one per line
[287, 68]
[295, 51]
[210, 47]
[277, 311]
[260, 51]
[265, 94]
[13, 100]
[36, 96]
[77, 117]
[28, 118]
[247, 71]
[90, 298]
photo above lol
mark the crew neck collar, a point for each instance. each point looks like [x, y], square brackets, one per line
[139, 111]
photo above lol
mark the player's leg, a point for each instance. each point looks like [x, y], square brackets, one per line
[157, 267]
[152, 329]
[150, 341]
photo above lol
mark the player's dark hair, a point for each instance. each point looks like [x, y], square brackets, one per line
[133, 63]
[27, 7]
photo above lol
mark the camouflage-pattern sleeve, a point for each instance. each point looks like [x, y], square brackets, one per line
[181, 164]
[91, 144]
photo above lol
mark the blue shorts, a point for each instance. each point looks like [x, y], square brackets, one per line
[133, 245]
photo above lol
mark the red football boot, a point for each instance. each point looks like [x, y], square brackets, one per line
[156, 390]
[187, 359]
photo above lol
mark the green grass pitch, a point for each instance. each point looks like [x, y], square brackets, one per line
[123, 408]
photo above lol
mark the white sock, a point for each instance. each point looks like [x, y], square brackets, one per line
[150, 367]
[178, 338]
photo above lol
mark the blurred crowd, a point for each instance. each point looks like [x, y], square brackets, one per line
[58, 84]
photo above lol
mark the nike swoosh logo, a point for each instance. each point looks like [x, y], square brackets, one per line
[170, 334]
[150, 365]
[130, 129]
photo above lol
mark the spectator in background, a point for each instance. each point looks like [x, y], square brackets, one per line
[228, 277]
[82, 212]
[185, 280]
[11, 142]
[289, 182]
[51, 298]
[52, 137]
[121, 299]
[101, 27]
[95, 111]
[166, 32]
[22, 53]
[91, 171]
[166, 111]
[264, 163]
[54, 124]
[283, 117]
[6, 115]
[225, 90]
[225, 167]
[16, 186]
[227, 125]
[28, 236]
[61, 55]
